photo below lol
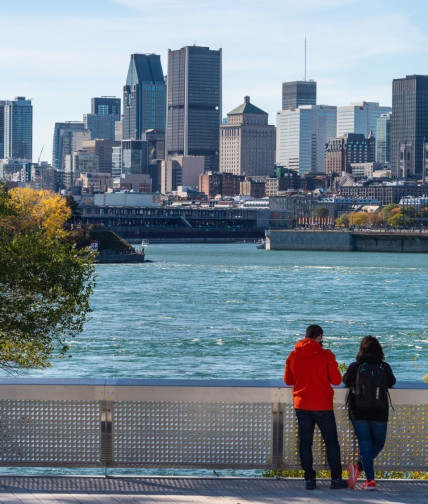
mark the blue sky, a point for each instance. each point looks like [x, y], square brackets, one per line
[61, 53]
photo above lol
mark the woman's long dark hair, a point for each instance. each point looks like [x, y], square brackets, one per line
[370, 345]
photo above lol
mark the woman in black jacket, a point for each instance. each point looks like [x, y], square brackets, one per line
[370, 424]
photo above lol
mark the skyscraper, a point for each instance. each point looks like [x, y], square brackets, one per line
[144, 96]
[68, 137]
[18, 128]
[247, 142]
[297, 93]
[383, 139]
[2, 104]
[106, 105]
[301, 136]
[360, 117]
[194, 104]
[409, 125]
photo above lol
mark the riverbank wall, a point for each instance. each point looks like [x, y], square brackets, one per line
[347, 241]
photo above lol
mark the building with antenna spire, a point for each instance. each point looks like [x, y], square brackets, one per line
[298, 93]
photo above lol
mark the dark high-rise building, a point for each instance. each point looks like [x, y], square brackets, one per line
[194, 104]
[341, 152]
[18, 128]
[409, 125]
[144, 96]
[297, 93]
[100, 126]
[106, 105]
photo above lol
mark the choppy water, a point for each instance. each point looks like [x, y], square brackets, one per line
[232, 311]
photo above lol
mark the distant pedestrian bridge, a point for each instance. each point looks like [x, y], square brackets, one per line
[198, 424]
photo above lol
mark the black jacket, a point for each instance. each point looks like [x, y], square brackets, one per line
[380, 415]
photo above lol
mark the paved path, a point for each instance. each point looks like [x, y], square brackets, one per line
[172, 490]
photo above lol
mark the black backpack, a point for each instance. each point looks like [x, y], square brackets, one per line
[371, 388]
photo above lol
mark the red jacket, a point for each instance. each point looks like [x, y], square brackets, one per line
[312, 370]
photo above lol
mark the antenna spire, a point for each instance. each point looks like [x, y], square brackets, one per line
[305, 58]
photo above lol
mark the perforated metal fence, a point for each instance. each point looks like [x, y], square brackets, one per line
[186, 424]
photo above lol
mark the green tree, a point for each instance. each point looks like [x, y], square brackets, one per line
[343, 220]
[320, 211]
[359, 219]
[387, 212]
[45, 282]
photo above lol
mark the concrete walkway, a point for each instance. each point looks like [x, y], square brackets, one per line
[175, 490]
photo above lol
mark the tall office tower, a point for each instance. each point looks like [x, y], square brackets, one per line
[350, 148]
[409, 125]
[18, 128]
[247, 142]
[383, 139]
[360, 117]
[301, 137]
[144, 96]
[194, 104]
[297, 93]
[100, 126]
[106, 105]
[68, 137]
[2, 104]
[135, 157]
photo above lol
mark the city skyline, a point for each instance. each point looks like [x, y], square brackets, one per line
[66, 54]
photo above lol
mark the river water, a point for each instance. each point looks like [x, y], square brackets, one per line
[233, 311]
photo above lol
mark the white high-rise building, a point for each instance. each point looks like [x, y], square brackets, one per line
[301, 136]
[359, 117]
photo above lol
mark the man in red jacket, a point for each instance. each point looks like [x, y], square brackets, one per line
[312, 370]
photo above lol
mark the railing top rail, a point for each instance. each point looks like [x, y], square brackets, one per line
[140, 382]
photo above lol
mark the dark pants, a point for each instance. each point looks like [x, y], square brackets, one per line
[371, 437]
[326, 422]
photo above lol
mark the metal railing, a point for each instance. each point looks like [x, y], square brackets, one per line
[185, 424]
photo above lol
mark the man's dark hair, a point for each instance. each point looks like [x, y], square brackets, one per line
[313, 331]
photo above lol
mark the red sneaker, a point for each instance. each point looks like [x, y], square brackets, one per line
[369, 485]
[353, 475]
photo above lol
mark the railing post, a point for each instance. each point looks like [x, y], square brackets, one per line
[277, 434]
[106, 433]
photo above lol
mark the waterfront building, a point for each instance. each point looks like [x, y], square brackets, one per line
[385, 192]
[194, 104]
[341, 152]
[365, 170]
[68, 137]
[359, 117]
[409, 125]
[254, 188]
[106, 105]
[301, 137]
[383, 139]
[247, 142]
[144, 96]
[18, 128]
[211, 183]
[95, 182]
[298, 93]
[132, 182]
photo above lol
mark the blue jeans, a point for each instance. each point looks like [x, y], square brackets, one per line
[371, 437]
[306, 420]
